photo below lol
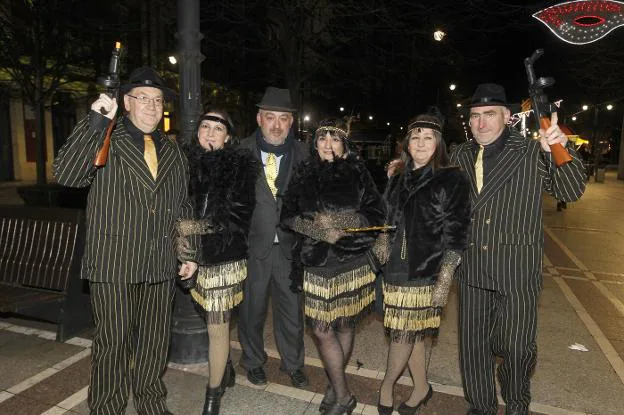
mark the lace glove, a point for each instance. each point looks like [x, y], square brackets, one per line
[189, 283]
[340, 220]
[184, 250]
[450, 261]
[187, 227]
[327, 226]
[381, 248]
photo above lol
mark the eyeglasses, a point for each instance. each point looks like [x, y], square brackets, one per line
[143, 100]
[487, 115]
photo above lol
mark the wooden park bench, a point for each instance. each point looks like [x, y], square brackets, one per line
[40, 252]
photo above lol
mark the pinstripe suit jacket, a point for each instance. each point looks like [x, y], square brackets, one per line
[506, 240]
[130, 216]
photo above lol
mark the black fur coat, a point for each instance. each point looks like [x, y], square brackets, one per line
[342, 185]
[222, 189]
[435, 207]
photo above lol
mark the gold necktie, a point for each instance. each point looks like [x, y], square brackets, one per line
[479, 169]
[150, 155]
[271, 172]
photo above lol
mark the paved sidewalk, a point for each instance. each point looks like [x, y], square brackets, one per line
[582, 306]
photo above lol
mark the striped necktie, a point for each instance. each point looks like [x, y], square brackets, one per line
[270, 170]
[150, 156]
[479, 169]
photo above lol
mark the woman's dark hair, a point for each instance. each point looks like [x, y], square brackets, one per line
[194, 150]
[336, 127]
[440, 156]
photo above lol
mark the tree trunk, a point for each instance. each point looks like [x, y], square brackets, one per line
[38, 106]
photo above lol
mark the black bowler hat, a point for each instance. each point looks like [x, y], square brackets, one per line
[489, 95]
[276, 99]
[146, 76]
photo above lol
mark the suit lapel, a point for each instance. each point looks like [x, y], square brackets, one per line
[466, 162]
[166, 160]
[131, 156]
[263, 186]
[506, 165]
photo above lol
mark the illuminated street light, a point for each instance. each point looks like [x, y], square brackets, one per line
[585, 107]
[452, 87]
[458, 105]
[341, 109]
[438, 35]
[609, 107]
[173, 60]
[387, 123]
[370, 117]
[306, 117]
[574, 118]
[401, 128]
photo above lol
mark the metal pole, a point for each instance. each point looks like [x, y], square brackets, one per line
[189, 39]
[189, 338]
[620, 174]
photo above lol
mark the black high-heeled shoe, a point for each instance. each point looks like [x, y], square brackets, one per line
[327, 400]
[213, 401]
[339, 409]
[413, 410]
[384, 410]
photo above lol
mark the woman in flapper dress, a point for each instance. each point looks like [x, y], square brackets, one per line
[428, 202]
[328, 194]
[222, 188]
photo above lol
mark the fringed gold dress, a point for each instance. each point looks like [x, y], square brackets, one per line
[219, 289]
[338, 295]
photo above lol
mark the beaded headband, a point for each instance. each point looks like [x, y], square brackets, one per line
[424, 124]
[331, 129]
[216, 119]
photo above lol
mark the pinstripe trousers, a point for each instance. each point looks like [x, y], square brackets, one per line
[491, 324]
[132, 332]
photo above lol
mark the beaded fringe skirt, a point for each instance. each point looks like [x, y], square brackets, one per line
[408, 313]
[219, 289]
[340, 300]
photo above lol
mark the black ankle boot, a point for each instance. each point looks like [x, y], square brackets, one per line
[213, 401]
[229, 376]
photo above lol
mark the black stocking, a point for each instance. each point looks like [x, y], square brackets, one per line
[218, 351]
[345, 337]
[332, 355]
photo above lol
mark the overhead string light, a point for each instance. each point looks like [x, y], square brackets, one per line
[582, 21]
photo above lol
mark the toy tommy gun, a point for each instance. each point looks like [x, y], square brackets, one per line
[111, 83]
[541, 107]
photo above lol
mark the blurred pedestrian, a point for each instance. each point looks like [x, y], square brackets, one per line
[329, 193]
[222, 189]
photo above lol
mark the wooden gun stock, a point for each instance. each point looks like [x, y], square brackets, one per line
[559, 153]
[102, 156]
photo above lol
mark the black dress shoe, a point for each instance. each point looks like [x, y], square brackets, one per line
[412, 410]
[257, 376]
[213, 401]
[229, 376]
[339, 409]
[298, 378]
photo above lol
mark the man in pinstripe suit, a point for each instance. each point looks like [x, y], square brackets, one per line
[500, 277]
[129, 256]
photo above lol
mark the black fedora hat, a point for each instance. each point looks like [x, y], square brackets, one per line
[487, 95]
[276, 99]
[146, 76]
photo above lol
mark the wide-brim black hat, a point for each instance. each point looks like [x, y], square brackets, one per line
[276, 99]
[147, 77]
[489, 95]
